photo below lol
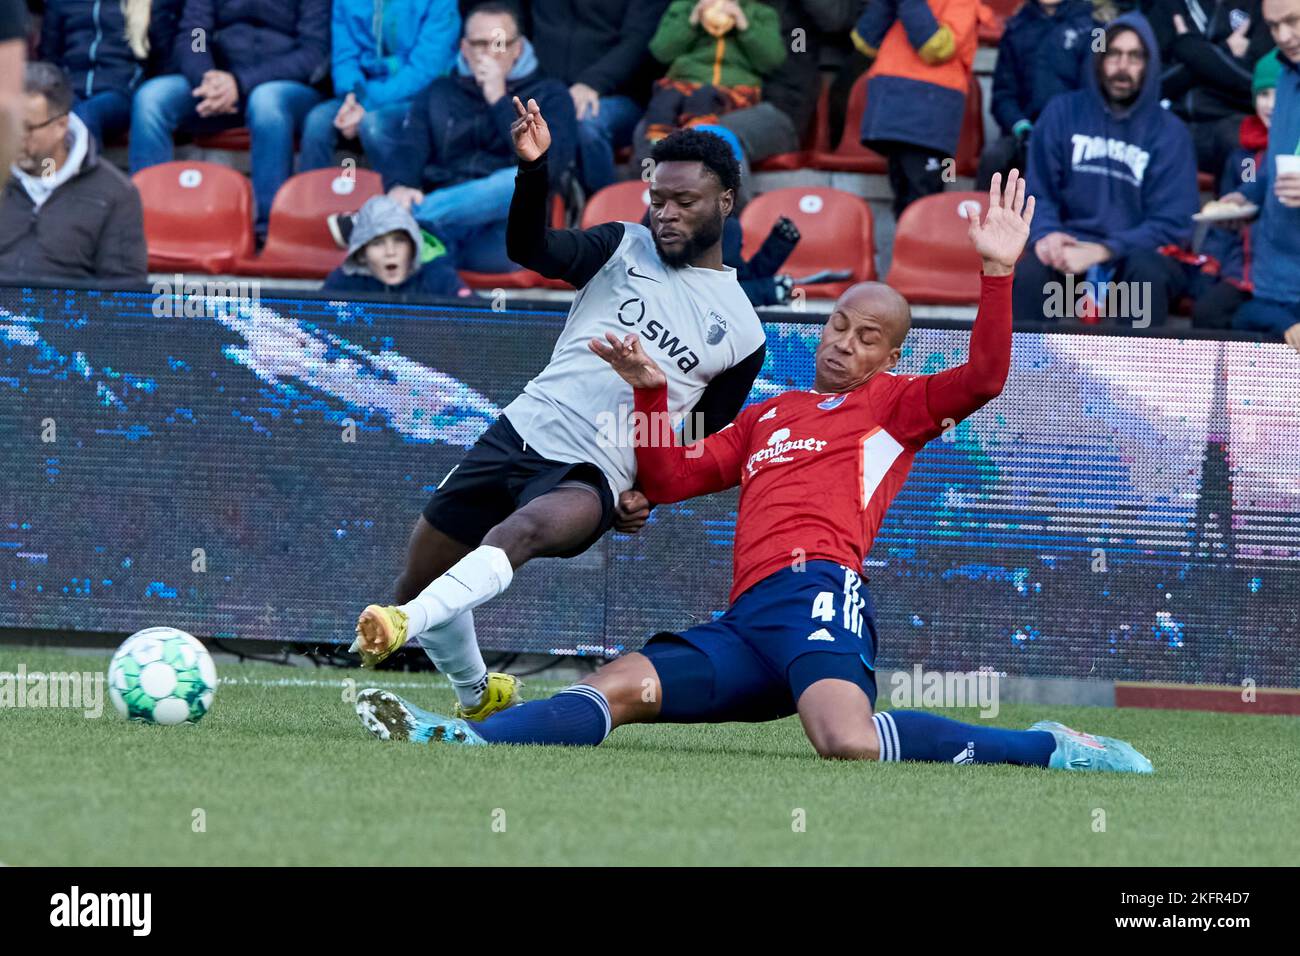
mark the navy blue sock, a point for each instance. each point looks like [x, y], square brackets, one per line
[577, 716]
[910, 735]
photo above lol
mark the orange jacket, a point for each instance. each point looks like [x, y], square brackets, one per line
[928, 40]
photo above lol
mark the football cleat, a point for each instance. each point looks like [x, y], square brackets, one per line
[389, 717]
[1079, 751]
[380, 631]
[502, 691]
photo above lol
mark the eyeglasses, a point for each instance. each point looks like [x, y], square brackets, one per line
[29, 128]
[489, 46]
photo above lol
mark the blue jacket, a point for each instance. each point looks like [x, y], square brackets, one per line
[1065, 60]
[1275, 236]
[88, 39]
[1015, 90]
[256, 40]
[1122, 177]
[435, 278]
[417, 43]
[452, 135]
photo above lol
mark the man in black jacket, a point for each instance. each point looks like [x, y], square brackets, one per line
[1209, 49]
[66, 212]
[600, 48]
[452, 164]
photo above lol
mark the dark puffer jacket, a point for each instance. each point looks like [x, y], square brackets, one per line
[255, 40]
[88, 39]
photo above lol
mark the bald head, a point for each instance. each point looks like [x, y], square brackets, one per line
[864, 335]
[884, 302]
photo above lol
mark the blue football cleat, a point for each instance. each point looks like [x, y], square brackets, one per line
[389, 717]
[1080, 751]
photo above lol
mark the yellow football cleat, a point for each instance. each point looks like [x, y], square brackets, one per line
[502, 692]
[380, 631]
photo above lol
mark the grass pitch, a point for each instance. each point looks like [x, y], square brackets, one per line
[281, 772]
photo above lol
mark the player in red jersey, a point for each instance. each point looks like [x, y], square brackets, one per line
[817, 471]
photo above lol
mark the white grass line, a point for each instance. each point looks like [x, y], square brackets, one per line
[337, 684]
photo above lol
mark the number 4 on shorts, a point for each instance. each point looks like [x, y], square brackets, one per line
[824, 606]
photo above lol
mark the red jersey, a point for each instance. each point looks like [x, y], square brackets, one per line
[818, 471]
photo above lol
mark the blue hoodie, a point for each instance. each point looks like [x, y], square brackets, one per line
[1275, 236]
[416, 42]
[1125, 177]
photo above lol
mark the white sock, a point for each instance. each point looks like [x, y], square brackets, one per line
[479, 576]
[453, 648]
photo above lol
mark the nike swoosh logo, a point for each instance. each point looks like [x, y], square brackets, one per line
[636, 275]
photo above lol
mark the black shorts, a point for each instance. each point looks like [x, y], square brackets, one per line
[498, 477]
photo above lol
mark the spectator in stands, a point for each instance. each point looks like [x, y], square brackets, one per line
[66, 211]
[916, 89]
[384, 256]
[454, 167]
[1275, 238]
[1219, 272]
[107, 49]
[781, 120]
[718, 52]
[599, 48]
[1209, 49]
[1115, 179]
[378, 70]
[1067, 52]
[242, 62]
[1014, 104]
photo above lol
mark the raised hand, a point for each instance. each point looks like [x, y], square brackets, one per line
[1001, 237]
[626, 357]
[529, 131]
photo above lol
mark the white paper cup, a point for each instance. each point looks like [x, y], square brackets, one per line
[1287, 164]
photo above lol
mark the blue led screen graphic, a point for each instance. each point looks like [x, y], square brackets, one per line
[1128, 508]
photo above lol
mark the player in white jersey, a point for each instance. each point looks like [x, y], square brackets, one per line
[557, 469]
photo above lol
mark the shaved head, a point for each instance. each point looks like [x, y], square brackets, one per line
[863, 336]
[883, 301]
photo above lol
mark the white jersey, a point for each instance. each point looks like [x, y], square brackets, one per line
[695, 323]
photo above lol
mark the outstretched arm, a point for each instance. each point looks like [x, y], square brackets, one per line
[574, 255]
[667, 471]
[927, 405]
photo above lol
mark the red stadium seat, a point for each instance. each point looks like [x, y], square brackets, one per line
[236, 140]
[934, 261]
[1206, 182]
[970, 141]
[298, 242]
[621, 202]
[197, 216]
[522, 278]
[835, 229]
[818, 137]
[850, 155]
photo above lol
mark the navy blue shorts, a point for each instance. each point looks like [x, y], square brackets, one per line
[784, 634]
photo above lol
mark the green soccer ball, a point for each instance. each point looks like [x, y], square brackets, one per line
[162, 676]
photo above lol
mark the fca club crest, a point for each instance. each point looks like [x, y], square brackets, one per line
[717, 326]
[835, 401]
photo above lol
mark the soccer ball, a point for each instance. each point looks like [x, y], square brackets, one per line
[162, 676]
